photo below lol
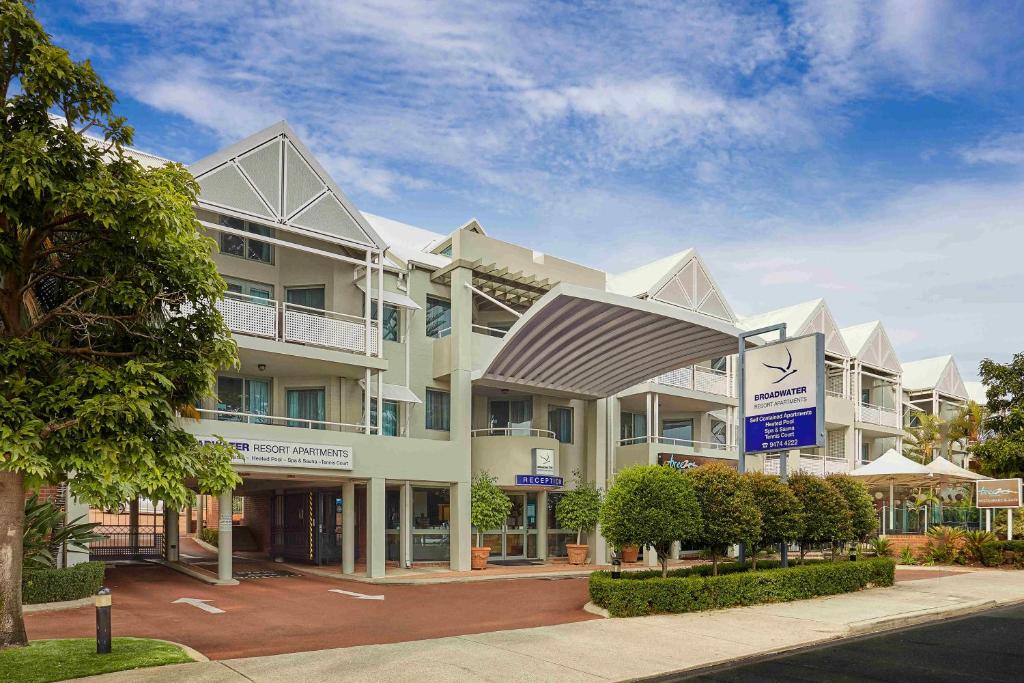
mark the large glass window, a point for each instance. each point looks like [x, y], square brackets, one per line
[243, 395]
[430, 524]
[560, 422]
[557, 538]
[439, 317]
[306, 404]
[515, 415]
[254, 292]
[718, 363]
[391, 320]
[438, 409]
[633, 425]
[393, 524]
[390, 427]
[246, 247]
[680, 431]
[309, 297]
[718, 435]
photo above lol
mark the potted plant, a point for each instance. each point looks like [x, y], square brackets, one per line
[630, 553]
[579, 509]
[489, 508]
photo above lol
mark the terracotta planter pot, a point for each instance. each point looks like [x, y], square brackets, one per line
[479, 557]
[577, 553]
[630, 553]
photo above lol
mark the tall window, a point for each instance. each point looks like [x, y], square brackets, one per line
[512, 414]
[439, 317]
[718, 363]
[390, 427]
[718, 435]
[679, 430]
[246, 247]
[438, 408]
[633, 425]
[254, 292]
[391, 320]
[306, 404]
[560, 422]
[242, 395]
[309, 297]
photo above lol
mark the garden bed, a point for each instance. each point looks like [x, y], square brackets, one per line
[693, 589]
[58, 585]
[58, 660]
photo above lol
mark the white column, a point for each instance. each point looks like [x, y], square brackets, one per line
[367, 302]
[75, 509]
[375, 528]
[599, 548]
[892, 510]
[988, 520]
[651, 556]
[366, 402]
[649, 417]
[348, 527]
[542, 525]
[200, 513]
[676, 549]
[657, 416]
[405, 525]
[460, 530]
[380, 307]
[1009, 524]
[171, 535]
[224, 571]
[380, 403]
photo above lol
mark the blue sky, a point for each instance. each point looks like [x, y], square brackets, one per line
[868, 152]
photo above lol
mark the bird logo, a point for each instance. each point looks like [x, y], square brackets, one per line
[786, 371]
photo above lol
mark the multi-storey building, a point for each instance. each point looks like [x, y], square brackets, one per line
[933, 386]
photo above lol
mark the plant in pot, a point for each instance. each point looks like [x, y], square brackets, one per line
[630, 553]
[489, 508]
[579, 509]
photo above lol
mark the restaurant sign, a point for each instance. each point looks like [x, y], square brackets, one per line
[288, 454]
[688, 462]
[998, 493]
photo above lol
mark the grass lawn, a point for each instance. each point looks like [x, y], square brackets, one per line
[58, 660]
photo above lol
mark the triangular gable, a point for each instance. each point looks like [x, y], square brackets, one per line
[689, 285]
[950, 382]
[821, 320]
[878, 351]
[273, 176]
[472, 225]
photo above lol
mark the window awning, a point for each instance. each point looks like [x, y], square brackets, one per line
[592, 343]
[393, 298]
[393, 392]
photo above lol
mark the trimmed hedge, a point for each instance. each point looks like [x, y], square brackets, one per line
[689, 590]
[208, 535]
[1011, 546]
[56, 585]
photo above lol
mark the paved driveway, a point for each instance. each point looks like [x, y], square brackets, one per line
[299, 613]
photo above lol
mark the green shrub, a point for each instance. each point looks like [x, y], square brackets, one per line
[982, 546]
[781, 512]
[943, 544]
[907, 556]
[728, 508]
[56, 585]
[881, 546]
[863, 521]
[208, 535]
[1011, 552]
[579, 507]
[694, 592]
[826, 517]
[489, 506]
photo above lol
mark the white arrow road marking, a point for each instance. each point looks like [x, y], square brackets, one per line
[201, 604]
[357, 596]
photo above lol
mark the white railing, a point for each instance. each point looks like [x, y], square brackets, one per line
[835, 393]
[698, 378]
[297, 324]
[275, 420]
[697, 446]
[818, 465]
[489, 331]
[513, 431]
[878, 415]
[440, 333]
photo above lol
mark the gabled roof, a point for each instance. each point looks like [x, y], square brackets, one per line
[803, 318]
[681, 280]
[272, 176]
[409, 243]
[976, 392]
[939, 373]
[869, 344]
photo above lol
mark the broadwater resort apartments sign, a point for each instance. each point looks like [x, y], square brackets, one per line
[288, 454]
[784, 395]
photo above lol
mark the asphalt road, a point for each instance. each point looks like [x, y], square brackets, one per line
[988, 646]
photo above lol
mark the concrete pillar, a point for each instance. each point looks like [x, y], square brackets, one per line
[542, 525]
[405, 525]
[651, 556]
[460, 529]
[676, 549]
[599, 461]
[376, 525]
[75, 509]
[462, 358]
[133, 525]
[224, 570]
[348, 527]
[171, 535]
[200, 513]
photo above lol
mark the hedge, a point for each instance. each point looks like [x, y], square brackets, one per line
[1011, 546]
[208, 535]
[55, 585]
[691, 591]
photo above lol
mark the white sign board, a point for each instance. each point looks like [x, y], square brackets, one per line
[544, 461]
[288, 454]
[784, 395]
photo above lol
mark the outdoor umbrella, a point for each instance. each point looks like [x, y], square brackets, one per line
[952, 473]
[893, 468]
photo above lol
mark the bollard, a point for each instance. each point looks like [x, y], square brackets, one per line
[103, 621]
[616, 567]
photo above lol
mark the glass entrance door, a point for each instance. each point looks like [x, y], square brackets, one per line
[509, 542]
[328, 528]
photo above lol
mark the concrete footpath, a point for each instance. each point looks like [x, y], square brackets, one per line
[622, 649]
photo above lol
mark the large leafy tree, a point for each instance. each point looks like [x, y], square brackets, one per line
[781, 512]
[1000, 450]
[863, 520]
[826, 515]
[727, 507]
[107, 291]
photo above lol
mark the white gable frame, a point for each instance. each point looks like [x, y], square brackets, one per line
[878, 352]
[689, 285]
[821, 320]
[950, 382]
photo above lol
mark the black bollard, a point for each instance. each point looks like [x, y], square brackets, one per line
[616, 568]
[103, 621]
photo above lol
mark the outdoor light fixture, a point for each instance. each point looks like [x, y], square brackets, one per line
[261, 367]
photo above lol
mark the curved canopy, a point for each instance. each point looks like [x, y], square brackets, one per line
[893, 468]
[951, 472]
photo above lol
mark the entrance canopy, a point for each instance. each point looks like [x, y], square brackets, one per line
[951, 472]
[592, 343]
[893, 468]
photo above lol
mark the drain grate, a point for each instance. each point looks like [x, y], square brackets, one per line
[264, 574]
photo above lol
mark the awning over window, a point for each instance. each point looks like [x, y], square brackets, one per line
[393, 392]
[592, 343]
[393, 298]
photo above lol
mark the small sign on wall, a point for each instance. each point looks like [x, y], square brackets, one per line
[544, 461]
[538, 480]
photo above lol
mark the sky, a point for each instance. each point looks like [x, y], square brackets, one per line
[871, 153]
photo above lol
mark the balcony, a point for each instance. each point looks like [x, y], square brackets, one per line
[294, 324]
[506, 452]
[817, 465]
[878, 415]
[689, 445]
[699, 378]
[277, 421]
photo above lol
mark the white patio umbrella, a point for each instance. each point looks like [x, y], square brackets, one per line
[952, 473]
[893, 468]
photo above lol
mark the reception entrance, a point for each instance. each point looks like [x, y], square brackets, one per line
[517, 538]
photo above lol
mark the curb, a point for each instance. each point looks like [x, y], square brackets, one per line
[599, 611]
[923, 616]
[196, 574]
[57, 606]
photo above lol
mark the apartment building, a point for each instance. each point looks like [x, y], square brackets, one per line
[934, 386]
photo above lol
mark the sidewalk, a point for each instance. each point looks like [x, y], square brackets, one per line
[622, 649]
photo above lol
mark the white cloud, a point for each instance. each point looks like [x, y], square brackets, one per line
[1005, 148]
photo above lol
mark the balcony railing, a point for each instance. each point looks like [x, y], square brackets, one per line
[513, 431]
[489, 331]
[687, 443]
[699, 378]
[818, 465]
[260, 419]
[270, 319]
[878, 415]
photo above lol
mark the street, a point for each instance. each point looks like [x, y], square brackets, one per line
[988, 646]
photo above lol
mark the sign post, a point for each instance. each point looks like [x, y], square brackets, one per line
[999, 493]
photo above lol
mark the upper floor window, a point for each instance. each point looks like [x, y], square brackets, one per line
[307, 297]
[438, 408]
[439, 317]
[392, 325]
[242, 395]
[307, 407]
[633, 425]
[390, 427]
[718, 363]
[447, 251]
[514, 415]
[718, 431]
[560, 422]
[253, 292]
[678, 430]
[246, 247]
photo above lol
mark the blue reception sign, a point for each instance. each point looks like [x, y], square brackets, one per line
[537, 480]
[784, 395]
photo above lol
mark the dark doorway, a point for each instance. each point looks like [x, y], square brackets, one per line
[329, 526]
[292, 530]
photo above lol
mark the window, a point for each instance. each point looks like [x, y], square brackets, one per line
[447, 251]
[254, 292]
[633, 426]
[241, 395]
[390, 427]
[391, 318]
[717, 431]
[438, 408]
[678, 431]
[439, 317]
[306, 404]
[560, 422]
[514, 415]
[309, 297]
[718, 363]
[431, 510]
[246, 247]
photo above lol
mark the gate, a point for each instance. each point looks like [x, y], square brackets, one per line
[134, 533]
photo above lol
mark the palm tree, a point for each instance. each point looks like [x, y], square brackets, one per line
[967, 425]
[926, 434]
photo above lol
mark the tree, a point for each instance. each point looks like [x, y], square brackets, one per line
[968, 424]
[727, 507]
[107, 293]
[863, 521]
[826, 515]
[489, 506]
[781, 512]
[651, 506]
[1000, 448]
[926, 435]
[579, 507]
